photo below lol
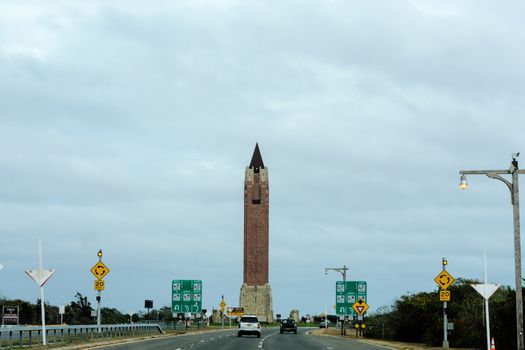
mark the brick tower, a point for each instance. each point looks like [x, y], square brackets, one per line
[256, 294]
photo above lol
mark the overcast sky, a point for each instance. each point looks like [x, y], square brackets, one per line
[126, 126]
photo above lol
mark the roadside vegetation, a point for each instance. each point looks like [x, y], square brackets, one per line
[418, 318]
[78, 311]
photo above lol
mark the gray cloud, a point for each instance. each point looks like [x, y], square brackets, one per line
[127, 127]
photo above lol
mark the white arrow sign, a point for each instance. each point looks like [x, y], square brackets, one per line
[1, 267]
[40, 276]
[485, 290]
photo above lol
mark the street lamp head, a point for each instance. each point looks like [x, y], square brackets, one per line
[463, 182]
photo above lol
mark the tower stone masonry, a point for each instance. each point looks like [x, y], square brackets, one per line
[256, 293]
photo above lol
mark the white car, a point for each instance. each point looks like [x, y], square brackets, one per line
[249, 324]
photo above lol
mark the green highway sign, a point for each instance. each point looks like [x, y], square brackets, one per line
[347, 294]
[186, 296]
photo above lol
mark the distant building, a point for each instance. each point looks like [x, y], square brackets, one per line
[294, 315]
[256, 293]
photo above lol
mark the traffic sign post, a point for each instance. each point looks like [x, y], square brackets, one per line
[41, 276]
[444, 280]
[347, 293]
[222, 304]
[99, 271]
[186, 296]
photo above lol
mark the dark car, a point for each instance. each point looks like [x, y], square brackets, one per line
[288, 325]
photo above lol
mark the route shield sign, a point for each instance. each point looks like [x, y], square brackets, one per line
[99, 270]
[444, 279]
[347, 294]
[186, 296]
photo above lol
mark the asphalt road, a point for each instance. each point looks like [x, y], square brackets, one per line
[228, 340]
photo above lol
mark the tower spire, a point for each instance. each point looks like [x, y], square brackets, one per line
[256, 162]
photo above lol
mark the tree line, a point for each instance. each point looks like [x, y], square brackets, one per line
[79, 311]
[418, 318]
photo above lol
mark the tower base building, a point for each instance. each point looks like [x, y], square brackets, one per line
[257, 300]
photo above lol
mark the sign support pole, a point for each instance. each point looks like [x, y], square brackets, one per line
[486, 301]
[42, 301]
[99, 295]
[445, 320]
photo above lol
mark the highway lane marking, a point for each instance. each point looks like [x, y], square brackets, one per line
[261, 343]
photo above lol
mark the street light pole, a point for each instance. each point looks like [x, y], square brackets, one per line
[514, 190]
[342, 271]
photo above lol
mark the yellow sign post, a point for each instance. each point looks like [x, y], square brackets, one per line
[444, 280]
[99, 271]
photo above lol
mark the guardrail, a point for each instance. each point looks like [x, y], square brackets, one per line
[12, 336]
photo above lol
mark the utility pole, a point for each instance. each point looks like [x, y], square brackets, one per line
[513, 186]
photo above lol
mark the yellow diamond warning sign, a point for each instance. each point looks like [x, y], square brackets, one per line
[360, 307]
[444, 279]
[99, 270]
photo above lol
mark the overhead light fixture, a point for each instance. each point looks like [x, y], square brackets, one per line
[463, 182]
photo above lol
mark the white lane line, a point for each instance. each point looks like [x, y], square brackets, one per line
[261, 343]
